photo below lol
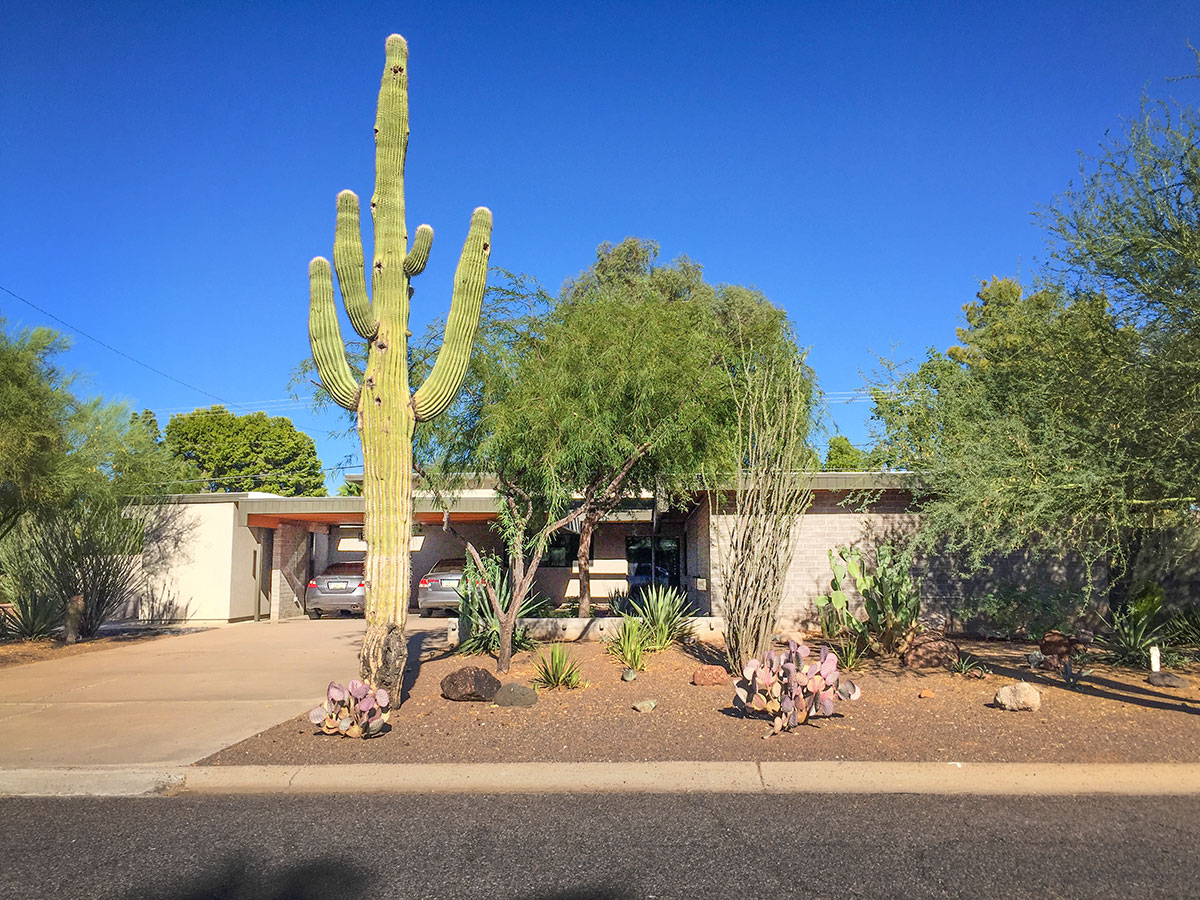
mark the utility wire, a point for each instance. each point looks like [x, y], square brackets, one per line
[113, 349]
[281, 474]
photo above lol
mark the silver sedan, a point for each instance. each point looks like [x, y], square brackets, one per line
[439, 588]
[339, 589]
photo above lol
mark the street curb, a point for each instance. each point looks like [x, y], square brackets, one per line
[807, 777]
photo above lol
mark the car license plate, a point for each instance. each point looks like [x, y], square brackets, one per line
[337, 585]
[449, 582]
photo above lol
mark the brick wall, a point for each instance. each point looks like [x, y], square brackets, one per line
[289, 571]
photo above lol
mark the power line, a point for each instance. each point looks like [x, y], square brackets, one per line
[280, 474]
[111, 348]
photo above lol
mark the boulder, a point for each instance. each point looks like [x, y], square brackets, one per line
[1057, 644]
[645, 705]
[470, 683]
[1167, 680]
[628, 674]
[1018, 695]
[926, 694]
[710, 675]
[930, 651]
[513, 694]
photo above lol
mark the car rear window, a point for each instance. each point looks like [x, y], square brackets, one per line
[348, 568]
[449, 565]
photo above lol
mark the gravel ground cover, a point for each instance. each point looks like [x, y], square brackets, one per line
[1116, 717]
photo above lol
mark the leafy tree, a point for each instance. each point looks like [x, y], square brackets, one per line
[1069, 418]
[253, 452]
[843, 456]
[35, 405]
[350, 489]
[627, 387]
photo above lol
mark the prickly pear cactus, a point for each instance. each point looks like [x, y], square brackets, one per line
[788, 690]
[355, 711]
[386, 408]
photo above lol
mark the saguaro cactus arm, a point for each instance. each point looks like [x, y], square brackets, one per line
[348, 261]
[470, 278]
[418, 254]
[329, 353]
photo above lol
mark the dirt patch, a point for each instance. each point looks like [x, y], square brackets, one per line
[18, 653]
[1117, 717]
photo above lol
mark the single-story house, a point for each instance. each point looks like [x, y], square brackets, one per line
[250, 555]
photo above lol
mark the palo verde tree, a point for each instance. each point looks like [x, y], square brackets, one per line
[628, 387]
[1068, 417]
[387, 411]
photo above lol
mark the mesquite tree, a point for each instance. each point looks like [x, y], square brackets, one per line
[387, 411]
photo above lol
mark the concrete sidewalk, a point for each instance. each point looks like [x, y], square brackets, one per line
[995, 779]
[171, 700]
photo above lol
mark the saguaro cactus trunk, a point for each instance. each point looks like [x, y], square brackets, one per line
[387, 411]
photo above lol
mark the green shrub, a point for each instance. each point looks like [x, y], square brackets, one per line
[666, 616]
[1132, 632]
[559, 671]
[1022, 613]
[629, 647]
[478, 624]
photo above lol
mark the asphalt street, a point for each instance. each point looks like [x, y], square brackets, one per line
[597, 846]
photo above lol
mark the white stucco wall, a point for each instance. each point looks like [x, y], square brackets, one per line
[195, 573]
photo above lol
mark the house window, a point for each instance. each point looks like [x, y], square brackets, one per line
[562, 550]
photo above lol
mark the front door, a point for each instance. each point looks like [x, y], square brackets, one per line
[652, 560]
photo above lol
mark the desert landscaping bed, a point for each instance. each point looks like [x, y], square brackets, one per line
[1116, 717]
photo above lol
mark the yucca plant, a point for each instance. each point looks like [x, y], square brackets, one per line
[666, 616]
[478, 624]
[629, 646]
[966, 664]
[557, 671]
[1132, 633]
[32, 617]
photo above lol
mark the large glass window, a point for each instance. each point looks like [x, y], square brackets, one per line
[652, 560]
[562, 550]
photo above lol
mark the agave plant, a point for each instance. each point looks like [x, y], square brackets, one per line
[789, 690]
[357, 710]
[666, 616]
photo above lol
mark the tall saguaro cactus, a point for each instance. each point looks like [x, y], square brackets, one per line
[387, 411]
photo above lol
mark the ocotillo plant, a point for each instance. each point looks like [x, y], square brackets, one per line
[387, 411]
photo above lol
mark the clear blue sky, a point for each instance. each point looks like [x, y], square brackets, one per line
[168, 169]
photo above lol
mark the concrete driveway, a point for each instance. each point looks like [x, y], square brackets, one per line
[170, 700]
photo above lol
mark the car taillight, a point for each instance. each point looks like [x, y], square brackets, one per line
[312, 583]
[362, 584]
[424, 582]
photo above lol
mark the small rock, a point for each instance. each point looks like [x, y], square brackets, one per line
[930, 651]
[926, 695]
[513, 694]
[470, 683]
[1019, 695]
[628, 674]
[645, 705]
[1166, 679]
[710, 675]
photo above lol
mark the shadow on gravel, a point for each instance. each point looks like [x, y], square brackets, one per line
[417, 656]
[1108, 689]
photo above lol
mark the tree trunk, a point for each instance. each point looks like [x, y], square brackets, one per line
[584, 558]
[504, 656]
